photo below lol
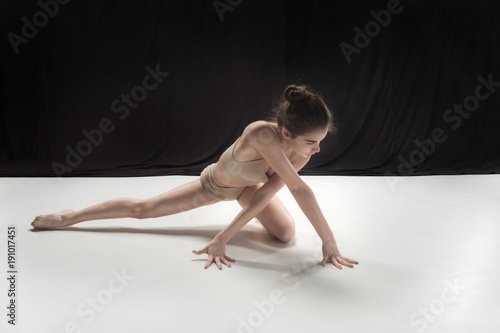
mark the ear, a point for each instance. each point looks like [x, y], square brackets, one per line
[285, 133]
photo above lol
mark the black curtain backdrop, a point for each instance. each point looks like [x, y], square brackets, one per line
[158, 87]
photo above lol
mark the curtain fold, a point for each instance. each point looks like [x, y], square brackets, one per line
[164, 87]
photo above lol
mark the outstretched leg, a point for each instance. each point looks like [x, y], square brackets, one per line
[180, 199]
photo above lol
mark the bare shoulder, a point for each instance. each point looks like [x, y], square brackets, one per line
[258, 125]
[262, 133]
[264, 140]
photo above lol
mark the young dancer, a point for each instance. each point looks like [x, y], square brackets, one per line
[266, 156]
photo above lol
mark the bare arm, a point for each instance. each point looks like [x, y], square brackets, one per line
[274, 155]
[258, 202]
[301, 192]
[260, 199]
[286, 173]
[309, 205]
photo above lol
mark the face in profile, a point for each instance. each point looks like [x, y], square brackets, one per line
[307, 144]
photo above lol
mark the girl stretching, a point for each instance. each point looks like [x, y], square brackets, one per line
[266, 156]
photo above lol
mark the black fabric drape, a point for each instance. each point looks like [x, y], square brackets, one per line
[130, 88]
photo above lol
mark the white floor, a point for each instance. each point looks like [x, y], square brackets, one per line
[428, 249]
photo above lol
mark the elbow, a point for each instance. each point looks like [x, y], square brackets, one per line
[302, 190]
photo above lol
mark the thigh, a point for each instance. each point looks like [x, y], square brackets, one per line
[274, 217]
[182, 198]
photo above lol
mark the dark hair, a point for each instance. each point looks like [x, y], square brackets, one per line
[300, 110]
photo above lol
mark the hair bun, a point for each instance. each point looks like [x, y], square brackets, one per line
[295, 94]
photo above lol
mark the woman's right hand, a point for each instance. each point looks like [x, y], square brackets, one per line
[331, 254]
[216, 251]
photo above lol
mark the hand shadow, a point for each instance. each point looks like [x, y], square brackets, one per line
[250, 237]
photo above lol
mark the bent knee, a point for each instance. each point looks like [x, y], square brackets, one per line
[287, 236]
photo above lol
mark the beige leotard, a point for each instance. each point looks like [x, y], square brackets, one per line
[251, 171]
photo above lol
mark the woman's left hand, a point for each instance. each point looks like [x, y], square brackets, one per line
[332, 254]
[216, 251]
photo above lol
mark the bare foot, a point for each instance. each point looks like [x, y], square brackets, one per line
[51, 221]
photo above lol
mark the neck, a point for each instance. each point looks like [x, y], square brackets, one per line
[284, 144]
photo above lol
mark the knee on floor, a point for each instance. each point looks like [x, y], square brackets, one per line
[287, 234]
